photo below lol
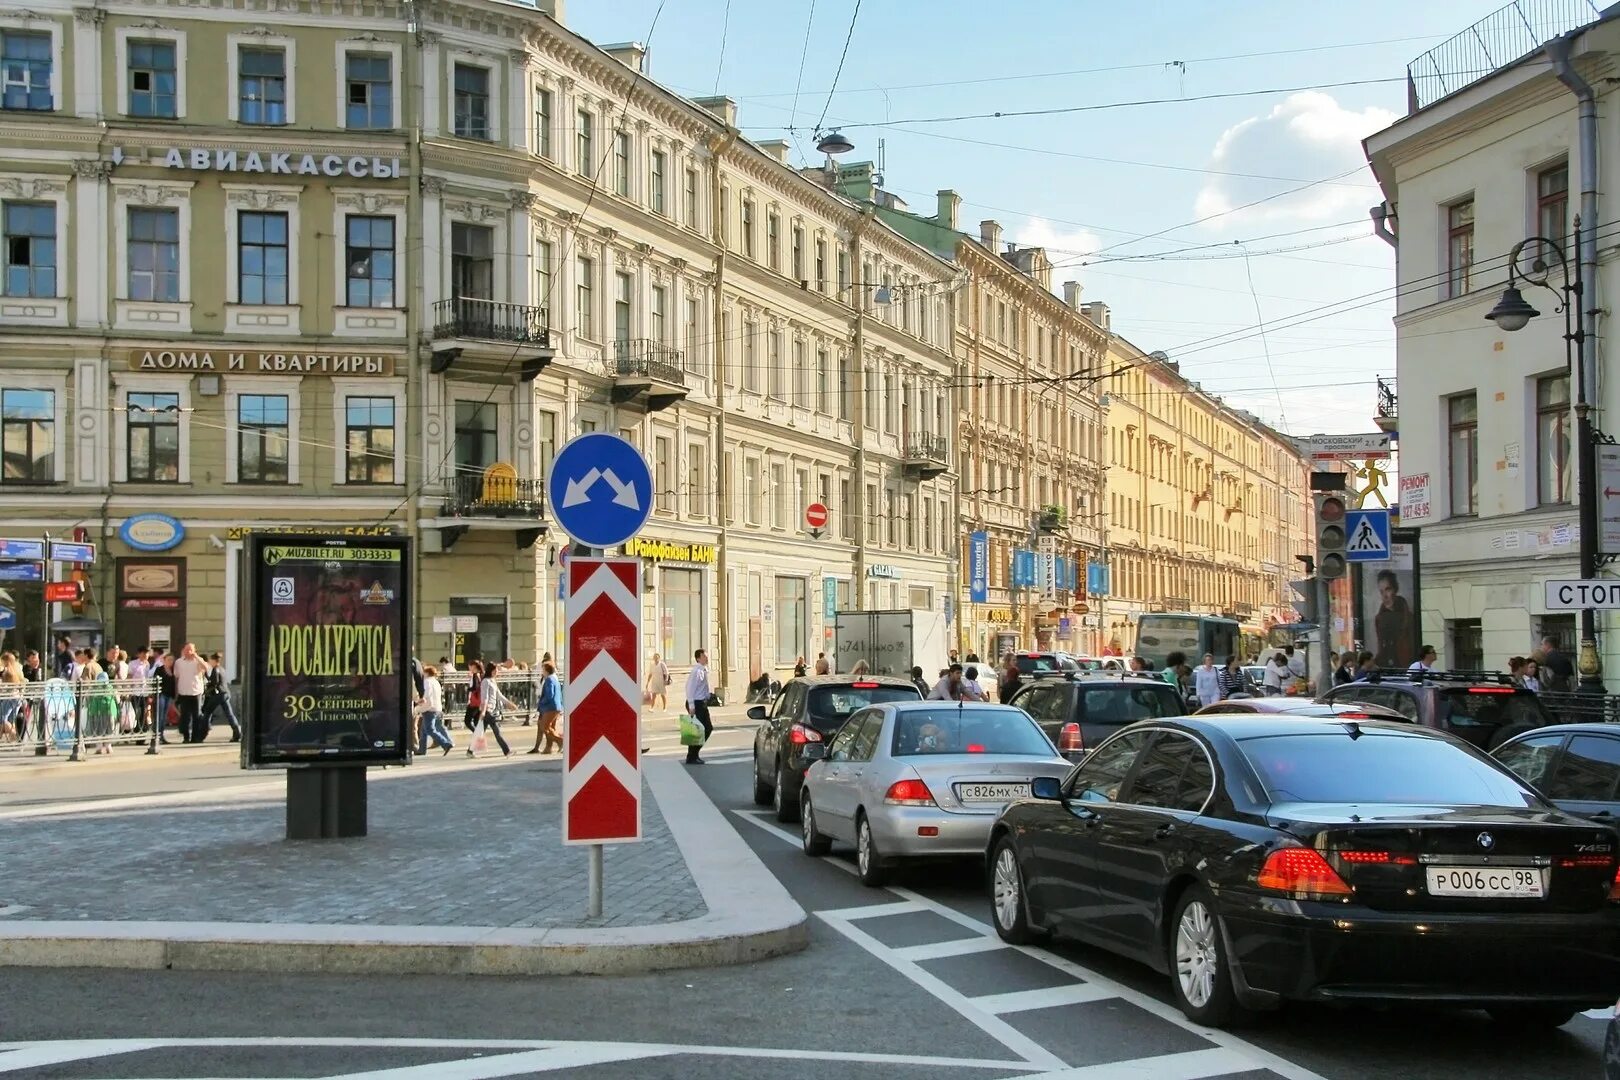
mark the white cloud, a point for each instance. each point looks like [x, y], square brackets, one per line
[1308, 135]
[1064, 247]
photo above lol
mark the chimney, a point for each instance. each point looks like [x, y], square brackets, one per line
[632, 54]
[722, 107]
[1096, 311]
[949, 206]
[776, 148]
[1071, 295]
[990, 234]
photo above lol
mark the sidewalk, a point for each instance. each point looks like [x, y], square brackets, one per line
[464, 872]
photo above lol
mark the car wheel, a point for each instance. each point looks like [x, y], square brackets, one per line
[1532, 1016]
[814, 842]
[1007, 901]
[867, 860]
[1200, 971]
[785, 808]
[762, 790]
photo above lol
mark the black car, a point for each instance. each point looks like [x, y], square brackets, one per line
[1577, 766]
[1483, 708]
[1081, 711]
[810, 710]
[1263, 859]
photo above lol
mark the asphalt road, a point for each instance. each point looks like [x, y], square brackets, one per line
[909, 981]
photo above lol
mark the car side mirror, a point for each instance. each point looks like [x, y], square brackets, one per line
[814, 752]
[1046, 787]
[756, 712]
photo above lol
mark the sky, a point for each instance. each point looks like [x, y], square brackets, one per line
[1282, 308]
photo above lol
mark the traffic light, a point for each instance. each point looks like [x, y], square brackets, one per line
[1330, 557]
[1305, 606]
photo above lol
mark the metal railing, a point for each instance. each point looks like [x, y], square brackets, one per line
[648, 359]
[495, 496]
[924, 446]
[1570, 707]
[1500, 38]
[487, 320]
[62, 717]
[520, 687]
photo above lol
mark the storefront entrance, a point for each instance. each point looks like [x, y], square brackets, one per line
[152, 605]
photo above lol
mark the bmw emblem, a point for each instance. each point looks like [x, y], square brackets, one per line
[1486, 840]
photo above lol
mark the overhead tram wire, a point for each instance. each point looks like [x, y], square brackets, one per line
[804, 54]
[848, 37]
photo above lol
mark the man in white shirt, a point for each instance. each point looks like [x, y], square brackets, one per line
[190, 679]
[1276, 673]
[698, 692]
[1425, 660]
[1295, 661]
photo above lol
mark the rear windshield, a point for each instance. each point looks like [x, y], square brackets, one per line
[1125, 703]
[1490, 708]
[832, 705]
[967, 730]
[1378, 767]
[1031, 664]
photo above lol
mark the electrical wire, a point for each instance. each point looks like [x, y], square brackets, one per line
[804, 53]
[850, 36]
[725, 31]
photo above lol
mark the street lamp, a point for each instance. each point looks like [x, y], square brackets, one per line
[1512, 313]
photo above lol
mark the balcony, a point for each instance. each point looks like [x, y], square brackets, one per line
[648, 370]
[497, 498]
[927, 455]
[1388, 420]
[472, 319]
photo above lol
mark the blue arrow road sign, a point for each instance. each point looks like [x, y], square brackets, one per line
[22, 549]
[22, 571]
[600, 489]
[8, 619]
[1366, 535]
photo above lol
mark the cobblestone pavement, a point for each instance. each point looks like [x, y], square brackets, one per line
[456, 847]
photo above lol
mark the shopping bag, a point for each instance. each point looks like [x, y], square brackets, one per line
[691, 732]
[480, 740]
[647, 697]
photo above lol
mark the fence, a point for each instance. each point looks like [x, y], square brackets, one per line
[62, 716]
[521, 688]
[1578, 708]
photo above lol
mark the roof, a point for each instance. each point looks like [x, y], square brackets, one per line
[846, 679]
[1241, 726]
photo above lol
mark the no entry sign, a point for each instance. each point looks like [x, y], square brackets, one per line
[602, 736]
[815, 515]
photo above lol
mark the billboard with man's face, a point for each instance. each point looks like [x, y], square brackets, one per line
[328, 672]
[1390, 627]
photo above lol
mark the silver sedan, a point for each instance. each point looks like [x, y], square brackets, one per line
[921, 779]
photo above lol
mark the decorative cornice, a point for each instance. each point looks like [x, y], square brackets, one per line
[523, 200]
[92, 169]
[90, 16]
[32, 187]
[433, 185]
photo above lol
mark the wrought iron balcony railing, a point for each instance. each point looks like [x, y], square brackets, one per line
[496, 493]
[647, 359]
[487, 320]
[923, 446]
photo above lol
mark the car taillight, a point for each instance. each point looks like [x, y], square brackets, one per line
[909, 793]
[1376, 857]
[1301, 871]
[864, 685]
[1586, 862]
[1491, 690]
[798, 735]
[1070, 741]
[1614, 886]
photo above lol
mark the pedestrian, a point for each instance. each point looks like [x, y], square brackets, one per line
[1425, 661]
[96, 701]
[1346, 670]
[1295, 659]
[1172, 667]
[62, 661]
[475, 672]
[1532, 676]
[1011, 679]
[799, 668]
[11, 698]
[1515, 667]
[918, 681]
[550, 704]
[1207, 681]
[1366, 667]
[190, 679]
[490, 702]
[657, 686]
[955, 686]
[430, 713]
[1137, 664]
[823, 666]
[217, 695]
[1276, 674]
[697, 702]
[167, 685]
[1555, 665]
[1233, 679]
[140, 673]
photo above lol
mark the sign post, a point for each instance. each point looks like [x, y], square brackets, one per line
[328, 679]
[601, 491]
[815, 518]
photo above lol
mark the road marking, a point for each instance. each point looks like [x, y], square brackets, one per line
[39, 1054]
[1190, 1065]
[14, 909]
[1045, 998]
[940, 950]
[875, 911]
[530, 1061]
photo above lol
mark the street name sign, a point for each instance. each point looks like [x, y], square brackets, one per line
[25, 550]
[1374, 444]
[22, 571]
[602, 739]
[62, 551]
[1576, 594]
[600, 489]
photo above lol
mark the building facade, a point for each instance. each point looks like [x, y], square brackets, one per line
[1486, 424]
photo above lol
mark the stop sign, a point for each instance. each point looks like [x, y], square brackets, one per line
[815, 515]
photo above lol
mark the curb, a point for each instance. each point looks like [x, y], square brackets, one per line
[750, 917]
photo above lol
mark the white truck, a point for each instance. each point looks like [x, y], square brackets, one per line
[891, 642]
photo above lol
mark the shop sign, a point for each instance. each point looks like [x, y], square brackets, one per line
[153, 603]
[883, 571]
[228, 361]
[152, 532]
[271, 163]
[242, 532]
[655, 550]
[999, 615]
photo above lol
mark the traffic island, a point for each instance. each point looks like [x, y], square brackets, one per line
[464, 873]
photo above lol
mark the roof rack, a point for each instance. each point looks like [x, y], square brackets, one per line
[1499, 678]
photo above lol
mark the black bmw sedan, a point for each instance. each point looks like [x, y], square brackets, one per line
[1262, 859]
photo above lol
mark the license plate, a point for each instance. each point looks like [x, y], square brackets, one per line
[991, 792]
[1487, 881]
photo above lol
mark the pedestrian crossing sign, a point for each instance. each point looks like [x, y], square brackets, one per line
[1366, 535]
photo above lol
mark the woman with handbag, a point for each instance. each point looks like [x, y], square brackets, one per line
[657, 694]
[490, 700]
[550, 706]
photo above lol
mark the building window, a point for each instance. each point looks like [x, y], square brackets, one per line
[369, 103]
[544, 281]
[781, 496]
[28, 436]
[1462, 414]
[262, 432]
[25, 71]
[475, 436]
[1467, 644]
[621, 163]
[262, 257]
[472, 102]
[655, 194]
[753, 492]
[869, 401]
[750, 375]
[472, 261]
[584, 155]
[798, 253]
[823, 404]
[585, 298]
[694, 335]
[664, 473]
[846, 390]
[153, 444]
[369, 255]
[1459, 246]
[821, 265]
[153, 80]
[792, 618]
[1552, 439]
[622, 286]
[262, 86]
[843, 276]
[1552, 202]
[369, 439]
[775, 376]
[30, 239]
[658, 328]
[680, 592]
[542, 122]
[846, 509]
[697, 481]
[691, 198]
[773, 241]
[748, 227]
[154, 254]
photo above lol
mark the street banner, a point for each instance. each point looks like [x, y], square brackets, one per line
[602, 701]
[328, 679]
[979, 567]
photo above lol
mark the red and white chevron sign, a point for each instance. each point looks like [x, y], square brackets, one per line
[602, 732]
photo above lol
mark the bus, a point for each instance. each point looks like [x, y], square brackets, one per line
[1157, 636]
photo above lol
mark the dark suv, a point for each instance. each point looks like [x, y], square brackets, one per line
[810, 711]
[1040, 663]
[1093, 705]
[1482, 707]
